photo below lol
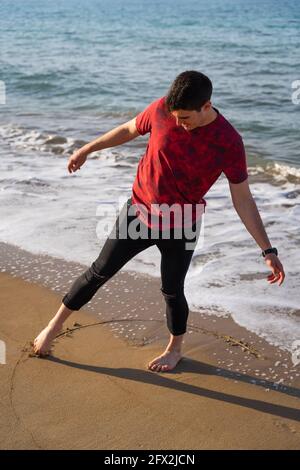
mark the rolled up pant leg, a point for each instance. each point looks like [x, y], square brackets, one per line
[177, 312]
[83, 289]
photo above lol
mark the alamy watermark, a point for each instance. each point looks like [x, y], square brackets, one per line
[2, 92]
[2, 352]
[296, 93]
[159, 221]
[296, 352]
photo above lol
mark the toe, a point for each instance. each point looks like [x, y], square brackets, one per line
[44, 354]
[165, 367]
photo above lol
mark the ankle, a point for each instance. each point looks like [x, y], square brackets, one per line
[173, 350]
[55, 324]
[175, 344]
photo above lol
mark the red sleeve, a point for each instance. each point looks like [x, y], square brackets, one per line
[145, 118]
[235, 162]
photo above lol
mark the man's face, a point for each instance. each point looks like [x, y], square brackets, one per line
[189, 120]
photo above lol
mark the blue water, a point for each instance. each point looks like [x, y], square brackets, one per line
[74, 69]
[66, 60]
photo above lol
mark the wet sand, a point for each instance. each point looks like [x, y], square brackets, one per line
[231, 390]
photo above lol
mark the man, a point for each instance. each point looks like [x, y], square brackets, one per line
[190, 145]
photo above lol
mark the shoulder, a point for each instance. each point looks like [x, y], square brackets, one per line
[146, 118]
[159, 104]
[228, 133]
[153, 106]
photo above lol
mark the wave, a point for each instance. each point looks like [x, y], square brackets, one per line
[31, 139]
[260, 169]
[274, 172]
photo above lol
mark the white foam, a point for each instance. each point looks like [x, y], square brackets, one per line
[45, 210]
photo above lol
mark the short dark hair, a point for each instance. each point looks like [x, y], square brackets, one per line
[190, 91]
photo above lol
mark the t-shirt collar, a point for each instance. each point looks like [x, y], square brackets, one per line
[212, 123]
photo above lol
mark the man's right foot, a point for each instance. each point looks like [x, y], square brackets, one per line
[166, 361]
[43, 342]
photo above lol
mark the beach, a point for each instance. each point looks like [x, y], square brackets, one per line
[62, 93]
[95, 392]
[68, 76]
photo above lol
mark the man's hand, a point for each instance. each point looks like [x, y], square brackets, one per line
[77, 160]
[276, 267]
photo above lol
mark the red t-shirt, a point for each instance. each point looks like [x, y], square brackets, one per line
[180, 166]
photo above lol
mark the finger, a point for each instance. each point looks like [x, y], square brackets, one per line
[73, 167]
[272, 275]
[282, 276]
[277, 278]
[70, 166]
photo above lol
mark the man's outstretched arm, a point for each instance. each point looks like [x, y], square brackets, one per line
[117, 136]
[246, 208]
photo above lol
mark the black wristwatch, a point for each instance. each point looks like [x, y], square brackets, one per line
[270, 250]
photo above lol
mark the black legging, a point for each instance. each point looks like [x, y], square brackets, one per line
[116, 252]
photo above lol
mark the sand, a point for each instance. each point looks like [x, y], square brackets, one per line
[95, 391]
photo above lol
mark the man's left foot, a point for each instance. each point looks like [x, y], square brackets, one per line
[167, 361]
[42, 343]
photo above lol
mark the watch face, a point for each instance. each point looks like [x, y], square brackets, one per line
[270, 250]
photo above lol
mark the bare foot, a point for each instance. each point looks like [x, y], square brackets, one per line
[43, 342]
[167, 361]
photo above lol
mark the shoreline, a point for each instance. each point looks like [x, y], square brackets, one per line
[133, 308]
[95, 392]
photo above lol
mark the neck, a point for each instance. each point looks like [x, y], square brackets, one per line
[211, 116]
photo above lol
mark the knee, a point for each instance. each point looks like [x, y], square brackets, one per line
[173, 294]
[94, 275]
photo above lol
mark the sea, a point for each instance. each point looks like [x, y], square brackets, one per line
[71, 70]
